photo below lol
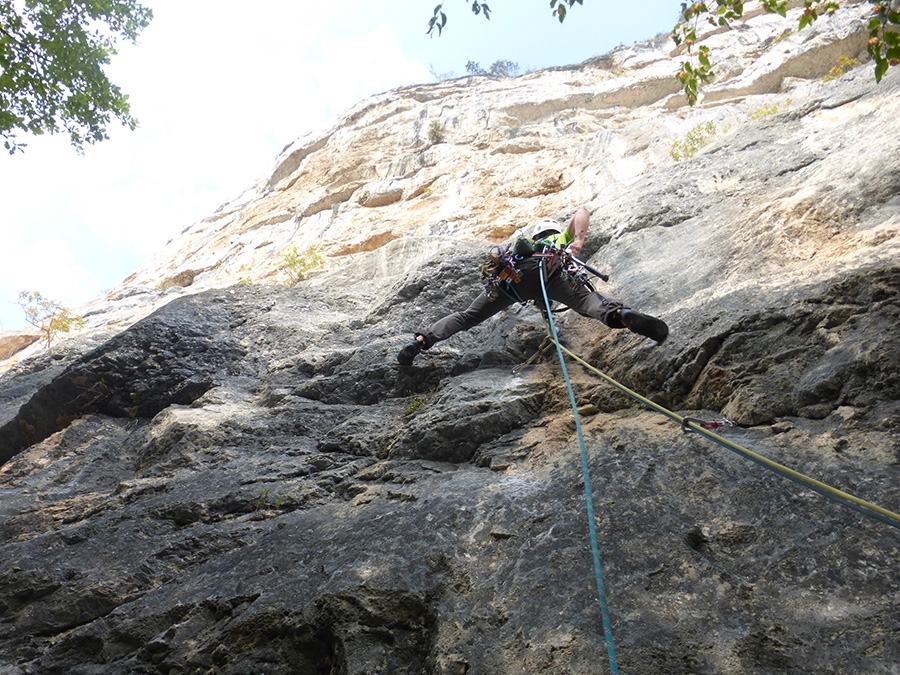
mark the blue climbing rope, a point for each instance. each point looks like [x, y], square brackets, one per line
[595, 547]
[860, 505]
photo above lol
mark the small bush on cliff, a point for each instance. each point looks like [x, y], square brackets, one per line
[696, 138]
[414, 405]
[845, 63]
[297, 264]
[501, 68]
[48, 316]
[763, 111]
[436, 133]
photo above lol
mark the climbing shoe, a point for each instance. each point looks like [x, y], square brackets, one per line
[409, 352]
[642, 324]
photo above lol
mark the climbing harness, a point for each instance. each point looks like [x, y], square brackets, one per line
[500, 272]
[595, 547]
[575, 272]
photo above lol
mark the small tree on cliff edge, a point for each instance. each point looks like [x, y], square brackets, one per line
[48, 316]
[883, 25]
[52, 54]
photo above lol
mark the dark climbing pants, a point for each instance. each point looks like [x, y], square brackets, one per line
[581, 300]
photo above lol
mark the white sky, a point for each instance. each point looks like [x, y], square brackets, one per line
[219, 89]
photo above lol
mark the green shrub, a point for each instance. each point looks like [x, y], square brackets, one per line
[265, 502]
[414, 405]
[844, 64]
[436, 133]
[763, 111]
[504, 68]
[696, 138]
[499, 68]
[297, 264]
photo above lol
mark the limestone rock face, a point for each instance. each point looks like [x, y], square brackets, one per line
[12, 342]
[226, 474]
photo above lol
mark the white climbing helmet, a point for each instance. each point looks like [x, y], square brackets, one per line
[544, 229]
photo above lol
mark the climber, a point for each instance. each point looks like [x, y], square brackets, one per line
[512, 276]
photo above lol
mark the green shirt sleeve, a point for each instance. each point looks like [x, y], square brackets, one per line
[560, 240]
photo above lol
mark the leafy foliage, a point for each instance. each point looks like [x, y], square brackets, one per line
[845, 63]
[436, 132]
[414, 405]
[559, 7]
[52, 54]
[265, 502]
[439, 19]
[884, 39]
[498, 69]
[883, 45]
[297, 264]
[883, 26]
[696, 138]
[763, 111]
[48, 316]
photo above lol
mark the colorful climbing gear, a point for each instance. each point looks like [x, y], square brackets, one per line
[499, 271]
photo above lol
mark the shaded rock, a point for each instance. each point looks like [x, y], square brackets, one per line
[166, 359]
[474, 409]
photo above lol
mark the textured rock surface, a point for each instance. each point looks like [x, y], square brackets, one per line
[225, 477]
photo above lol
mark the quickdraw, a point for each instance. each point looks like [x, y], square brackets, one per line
[543, 349]
[709, 426]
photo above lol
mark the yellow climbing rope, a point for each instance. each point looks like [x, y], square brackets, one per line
[860, 505]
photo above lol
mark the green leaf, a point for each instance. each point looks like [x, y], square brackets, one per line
[439, 20]
[807, 19]
[52, 55]
[881, 67]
